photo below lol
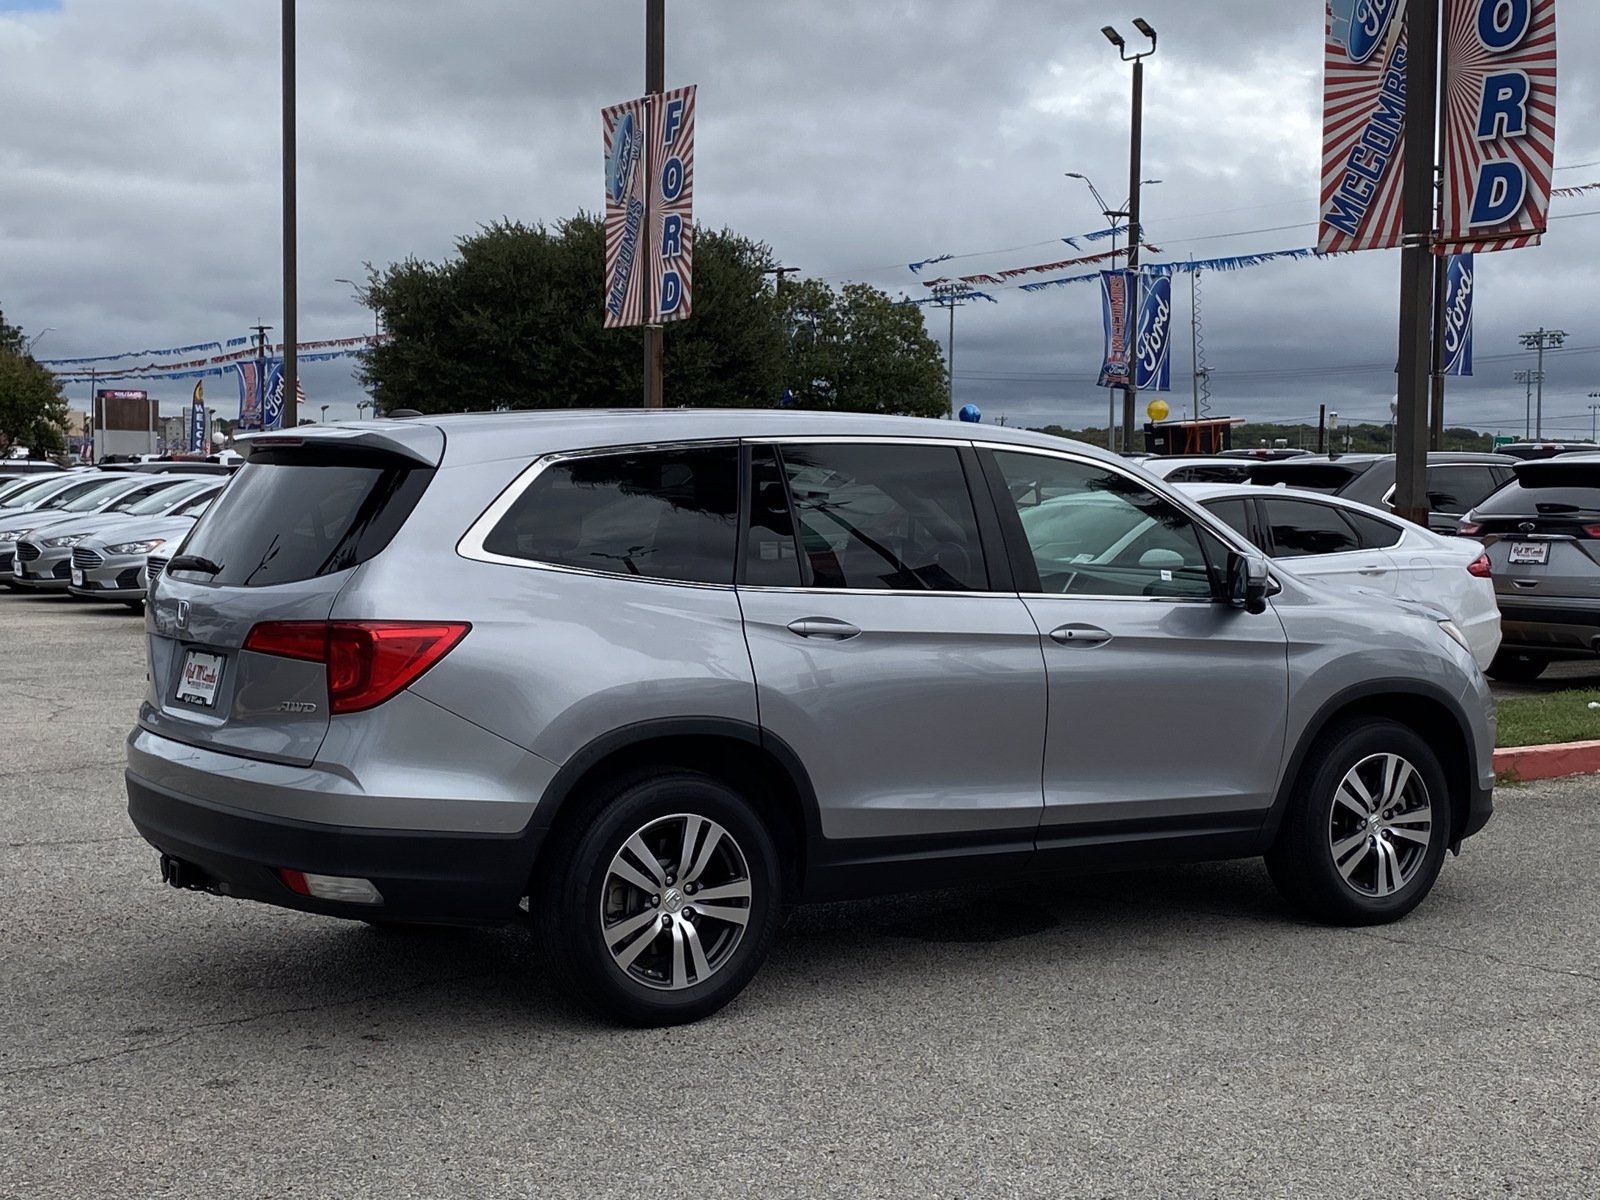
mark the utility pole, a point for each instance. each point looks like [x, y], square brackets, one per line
[1441, 264]
[1594, 419]
[655, 74]
[1135, 150]
[778, 273]
[951, 296]
[291, 285]
[1526, 377]
[261, 374]
[1538, 340]
[1416, 275]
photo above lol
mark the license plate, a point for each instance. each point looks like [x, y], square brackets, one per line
[1536, 553]
[77, 577]
[201, 675]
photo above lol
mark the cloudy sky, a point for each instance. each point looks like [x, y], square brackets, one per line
[139, 178]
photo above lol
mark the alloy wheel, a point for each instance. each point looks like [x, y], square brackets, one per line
[676, 902]
[1380, 825]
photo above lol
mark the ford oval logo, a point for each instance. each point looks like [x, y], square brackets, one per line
[1362, 26]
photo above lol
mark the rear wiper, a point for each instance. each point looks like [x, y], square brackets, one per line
[194, 562]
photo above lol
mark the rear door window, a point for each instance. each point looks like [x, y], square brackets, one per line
[289, 516]
[1375, 534]
[884, 517]
[1300, 528]
[657, 514]
[1235, 514]
[1455, 490]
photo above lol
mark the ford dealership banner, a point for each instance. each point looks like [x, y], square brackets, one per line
[1363, 125]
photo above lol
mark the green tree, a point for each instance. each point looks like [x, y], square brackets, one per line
[858, 350]
[514, 320]
[32, 410]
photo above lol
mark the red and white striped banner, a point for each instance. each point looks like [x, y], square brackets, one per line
[626, 133]
[1500, 123]
[1363, 124]
[671, 160]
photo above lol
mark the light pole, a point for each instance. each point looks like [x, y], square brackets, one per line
[1136, 143]
[1594, 418]
[951, 296]
[1112, 216]
[1538, 340]
[1526, 378]
[361, 409]
[291, 282]
[27, 350]
[324, 414]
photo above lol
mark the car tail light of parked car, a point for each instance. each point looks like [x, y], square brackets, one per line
[1480, 567]
[368, 661]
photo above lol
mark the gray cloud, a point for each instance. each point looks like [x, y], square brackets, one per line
[139, 177]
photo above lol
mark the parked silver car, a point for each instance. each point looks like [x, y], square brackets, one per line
[110, 565]
[45, 554]
[57, 498]
[646, 679]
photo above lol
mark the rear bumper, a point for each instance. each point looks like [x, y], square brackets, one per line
[1558, 626]
[446, 878]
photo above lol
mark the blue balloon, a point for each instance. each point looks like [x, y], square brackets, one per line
[970, 412]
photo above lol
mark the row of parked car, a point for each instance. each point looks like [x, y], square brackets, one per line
[1525, 526]
[93, 533]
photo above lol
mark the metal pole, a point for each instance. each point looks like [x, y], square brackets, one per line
[950, 357]
[291, 287]
[1538, 403]
[1194, 345]
[655, 71]
[1416, 279]
[1111, 393]
[1130, 394]
[1441, 285]
[94, 414]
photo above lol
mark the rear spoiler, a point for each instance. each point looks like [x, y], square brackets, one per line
[421, 444]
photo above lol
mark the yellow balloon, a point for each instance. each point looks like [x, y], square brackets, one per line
[1158, 410]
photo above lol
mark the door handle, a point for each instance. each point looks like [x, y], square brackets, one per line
[1372, 570]
[823, 627]
[1079, 635]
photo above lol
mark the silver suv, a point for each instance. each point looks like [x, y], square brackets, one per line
[646, 679]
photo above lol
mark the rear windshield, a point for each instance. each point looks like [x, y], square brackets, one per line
[1518, 498]
[282, 520]
[1328, 478]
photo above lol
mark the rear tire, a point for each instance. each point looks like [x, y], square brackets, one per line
[616, 902]
[1516, 666]
[1367, 826]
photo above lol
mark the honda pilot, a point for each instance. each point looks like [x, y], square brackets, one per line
[644, 680]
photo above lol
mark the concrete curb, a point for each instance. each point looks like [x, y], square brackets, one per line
[1527, 763]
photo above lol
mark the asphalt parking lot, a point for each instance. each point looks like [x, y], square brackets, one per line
[1165, 1034]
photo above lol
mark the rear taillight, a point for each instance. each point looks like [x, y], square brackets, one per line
[368, 662]
[1469, 528]
[1591, 531]
[1480, 567]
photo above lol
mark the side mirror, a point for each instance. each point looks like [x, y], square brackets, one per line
[1247, 582]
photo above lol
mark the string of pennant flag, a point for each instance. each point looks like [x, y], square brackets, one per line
[70, 370]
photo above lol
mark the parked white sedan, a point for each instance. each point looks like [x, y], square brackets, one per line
[1324, 537]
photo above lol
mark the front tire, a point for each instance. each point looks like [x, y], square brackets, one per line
[661, 909]
[1367, 827]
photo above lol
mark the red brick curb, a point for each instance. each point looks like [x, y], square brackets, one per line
[1528, 763]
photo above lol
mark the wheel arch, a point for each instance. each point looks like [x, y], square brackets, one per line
[1428, 711]
[752, 761]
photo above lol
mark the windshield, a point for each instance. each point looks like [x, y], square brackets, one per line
[18, 494]
[158, 501]
[197, 505]
[90, 500]
[69, 495]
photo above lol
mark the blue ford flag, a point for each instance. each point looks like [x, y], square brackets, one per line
[1458, 315]
[1114, 287]
[1153, 364]
[272, 397]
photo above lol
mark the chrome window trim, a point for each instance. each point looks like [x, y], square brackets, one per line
[471, 543]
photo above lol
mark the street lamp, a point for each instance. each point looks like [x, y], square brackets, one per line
[28, 349]
[1594, 418]
[361, 409]
[1538, 340]
[324, 414]
[1134, 233]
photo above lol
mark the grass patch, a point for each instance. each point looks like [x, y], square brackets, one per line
[1553, 717]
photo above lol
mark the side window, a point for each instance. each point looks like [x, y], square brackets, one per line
[1454, 490]
[1301, 528]
[1375, 534]
[1095, 532]
[1235, 514]
[659, 514]
[893, 517]
[772, 556]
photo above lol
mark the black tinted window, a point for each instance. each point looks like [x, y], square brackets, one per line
[1308, 477]
[772, 556]
[1300, 527]
[659, 514]
[1456, 489]
[1520, 499]
[1210, 473]
[281, 521]
[885, 517]
[1235, 514]
[1375, 534]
